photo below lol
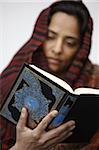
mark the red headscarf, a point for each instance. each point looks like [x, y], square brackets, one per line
[78, 71]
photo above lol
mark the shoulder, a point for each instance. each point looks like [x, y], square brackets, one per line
[94, 77]
[96, 69]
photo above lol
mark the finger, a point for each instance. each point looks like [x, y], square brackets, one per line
[23, 119]
[66, 126]
[63, 129]
[59, 139]
[62, 137]
[46, 120]
[55, 136]
[54, 141]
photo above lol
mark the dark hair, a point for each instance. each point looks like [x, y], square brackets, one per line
[75, 8]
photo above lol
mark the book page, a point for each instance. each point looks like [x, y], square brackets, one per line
[86, 91]
[54, 78]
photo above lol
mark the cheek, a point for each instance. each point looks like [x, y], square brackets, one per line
[46, 48]
[48, 45]
[69, 54]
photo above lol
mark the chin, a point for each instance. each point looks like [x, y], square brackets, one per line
[54, 69]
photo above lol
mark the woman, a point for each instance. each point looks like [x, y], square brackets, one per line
[60, 44]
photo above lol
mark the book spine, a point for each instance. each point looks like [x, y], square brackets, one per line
[63, 110]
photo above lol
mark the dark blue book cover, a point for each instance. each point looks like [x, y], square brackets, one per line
[39, 95]
[41, 92]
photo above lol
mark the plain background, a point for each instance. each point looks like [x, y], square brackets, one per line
[17, 19]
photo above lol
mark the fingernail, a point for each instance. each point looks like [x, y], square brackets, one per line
[55, 112]
[23, 110]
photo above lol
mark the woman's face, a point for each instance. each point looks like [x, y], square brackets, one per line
[62, 41]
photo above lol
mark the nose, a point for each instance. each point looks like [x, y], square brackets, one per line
[58, 46]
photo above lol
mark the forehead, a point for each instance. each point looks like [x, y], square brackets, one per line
[64, 24]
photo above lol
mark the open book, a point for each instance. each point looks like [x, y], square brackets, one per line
[41, 92]
[66, 86]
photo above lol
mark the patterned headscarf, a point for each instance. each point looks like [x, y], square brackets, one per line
[78, 71]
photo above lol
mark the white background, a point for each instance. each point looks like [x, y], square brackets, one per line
[17, 18]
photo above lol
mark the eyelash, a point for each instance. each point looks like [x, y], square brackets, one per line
[49, 37]
[70, 44]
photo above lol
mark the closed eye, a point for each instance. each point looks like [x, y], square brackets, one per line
[71, 44]
[49, 37]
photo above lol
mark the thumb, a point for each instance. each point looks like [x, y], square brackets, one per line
[23, 118]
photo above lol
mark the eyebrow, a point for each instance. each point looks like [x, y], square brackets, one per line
[67, 37]
[51, 31]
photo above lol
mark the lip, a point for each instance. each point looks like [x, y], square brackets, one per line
[54, 61]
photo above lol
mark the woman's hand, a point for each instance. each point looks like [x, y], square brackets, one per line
[38, 138]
